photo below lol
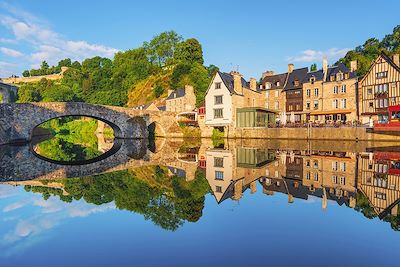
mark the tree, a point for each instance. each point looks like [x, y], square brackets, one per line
[158, 90]
[189, 51]
[76, 65]
[28, 93]
[64, 63]
[44, 67]
[161, 48]
[212, 69]
[26, 73]
[59, 93]
[313, 67]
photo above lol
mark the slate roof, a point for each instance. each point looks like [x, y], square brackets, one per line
[342, 68]
[318, 75]
[297, 74]
[177, 94]
[273, 79]
[228, 81]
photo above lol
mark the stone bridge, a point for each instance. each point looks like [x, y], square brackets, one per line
[8, 93]
[17, 121]
[20, 163]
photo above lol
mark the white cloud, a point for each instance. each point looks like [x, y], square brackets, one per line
[44, 43]
[311, 55]
[10, 52]
[14, 206]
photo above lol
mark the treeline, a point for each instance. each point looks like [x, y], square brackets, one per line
[365, 54]
[45, 69]
[100, 80]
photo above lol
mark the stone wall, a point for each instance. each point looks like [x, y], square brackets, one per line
[32, 79]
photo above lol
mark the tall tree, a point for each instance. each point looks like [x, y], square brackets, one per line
[161, 48]
[189, 51]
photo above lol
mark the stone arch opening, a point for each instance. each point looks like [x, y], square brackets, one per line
[69, 152]
[155, 129]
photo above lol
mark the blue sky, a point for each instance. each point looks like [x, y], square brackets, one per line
[252, 36]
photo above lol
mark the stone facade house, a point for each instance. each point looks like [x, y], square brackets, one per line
[272, 86]
[181, 100]
[148, 106]
[380, 89]
[294, 94]
[231, 102]
[330, 94]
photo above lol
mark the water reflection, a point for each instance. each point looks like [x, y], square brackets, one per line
[169, 186]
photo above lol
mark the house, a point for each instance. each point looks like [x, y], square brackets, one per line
[330, 94]
[232, 102]
[148, 107]
[380, 89]
[272, 85]
[181, 100]
[293, 90]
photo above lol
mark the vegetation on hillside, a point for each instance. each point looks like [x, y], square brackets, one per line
[133, 77]
[166, 201]
[365, 54]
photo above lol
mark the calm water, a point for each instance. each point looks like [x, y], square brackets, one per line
[192, 203]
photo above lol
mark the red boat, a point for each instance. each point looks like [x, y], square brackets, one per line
[393, 125]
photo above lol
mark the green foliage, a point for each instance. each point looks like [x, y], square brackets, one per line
[29, 93]
[160, 50]
[26, 73]
[59, 93]
[369, 51]
[212, 69]
[189, 51]
[158, 90]
[313, 67]
[1, 98]
[363, 206]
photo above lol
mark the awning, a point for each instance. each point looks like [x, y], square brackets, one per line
[332, 112]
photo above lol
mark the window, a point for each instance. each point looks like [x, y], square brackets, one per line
[369, 91]
[308, 105]
[296, 83]
[218, 189]
[298, 107]
[219, 175]
[316, 102]
[381, 88]
[344, 103]
[316, 176]
[380, 195]
[334, 179]
[335, 103]
[276, 93]
[308, 164]
[218, 162]
[308, 175]
[382, 103]
[278, 83]
[267, 85]
[371, 104]
[316, 91]
[218, 113]
[339, 76]
[343, 88]
[217, 85]
[343, 166]
[218, 99]
[382, 74]
[312, 80]
[308, 92]
[315, 164]
[342, 180]
[335, 89]
[334, 165]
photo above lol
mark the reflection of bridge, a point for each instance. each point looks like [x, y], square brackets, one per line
[19, 163]
[17, 121]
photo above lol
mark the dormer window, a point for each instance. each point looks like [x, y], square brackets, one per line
[332, 78]
[312, 80]
[339, 76]
[267, 85]
[296, 83]
[277, 83]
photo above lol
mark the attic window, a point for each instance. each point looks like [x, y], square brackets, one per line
[296, 82]
[277, 83]
[267, 85]
[312, 80]
[339, 76]
[217, 85]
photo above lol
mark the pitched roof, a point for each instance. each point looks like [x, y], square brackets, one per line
[273, 79]
[228, 81]
[340, 68]
[318, 75]
[177, 94]
[297, 74]
[387, 59]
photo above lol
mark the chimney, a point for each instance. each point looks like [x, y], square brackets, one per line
[353, 65]
[253, 84]
[290, 68]
[396, 59]
[325, 65]
[189, 89]
[237, 82]
[267, 73]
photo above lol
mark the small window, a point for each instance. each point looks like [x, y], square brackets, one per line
[316, 176]
[343, 180]
[296, 83]
[218, 99]
[308, 105]
[308, 175]
[218, 189]
[217, 85]
[382, 74]
[335, 89]
[316, 91]
[316, 102]
[219, 175]
[267, 85]
[334, 179]
[315, 164]
[218, 113]
[369, 91]
[344, 104]
[308, 92]
[343, 88]
[219, 162]
[371, 104]
[278, 83]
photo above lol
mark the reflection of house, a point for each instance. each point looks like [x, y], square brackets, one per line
[231, 172]
[380, 88]
[379, 180]
[327, 175]
[181, 100]
[233, 102]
